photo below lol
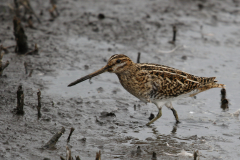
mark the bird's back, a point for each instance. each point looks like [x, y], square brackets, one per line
[152, 81]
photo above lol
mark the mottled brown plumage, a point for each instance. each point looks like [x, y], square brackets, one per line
[154, 83]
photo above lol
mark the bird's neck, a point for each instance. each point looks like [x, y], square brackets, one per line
[129, 71]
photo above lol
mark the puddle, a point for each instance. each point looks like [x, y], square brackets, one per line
[58, 84]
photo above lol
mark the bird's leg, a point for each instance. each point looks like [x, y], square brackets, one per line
[175, 115]
[158, 116]
[169, 105]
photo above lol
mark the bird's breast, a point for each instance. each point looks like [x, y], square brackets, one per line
[137, 86]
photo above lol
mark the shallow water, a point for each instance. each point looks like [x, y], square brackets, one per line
[202, 117]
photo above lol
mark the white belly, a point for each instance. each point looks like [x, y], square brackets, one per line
[161, 102]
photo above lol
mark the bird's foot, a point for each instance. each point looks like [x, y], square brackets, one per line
[155, 118]
[177, 122]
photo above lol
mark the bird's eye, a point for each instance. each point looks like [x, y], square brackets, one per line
[118, 61]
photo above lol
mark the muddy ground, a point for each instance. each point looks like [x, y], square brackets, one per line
[79, 41]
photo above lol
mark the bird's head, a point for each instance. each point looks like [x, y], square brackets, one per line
[116, 64]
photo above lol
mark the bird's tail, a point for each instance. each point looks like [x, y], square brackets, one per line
[211, 83]
[207, 84]
[216, 85]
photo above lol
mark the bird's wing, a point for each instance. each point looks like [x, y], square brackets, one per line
[166, 84]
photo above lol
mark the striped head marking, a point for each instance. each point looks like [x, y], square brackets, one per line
[118, 63]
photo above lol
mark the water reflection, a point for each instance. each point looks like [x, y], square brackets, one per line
[224, 105]
[174, 130]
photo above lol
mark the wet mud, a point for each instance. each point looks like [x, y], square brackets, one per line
[78, 38]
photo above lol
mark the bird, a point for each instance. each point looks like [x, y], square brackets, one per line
[154, 83]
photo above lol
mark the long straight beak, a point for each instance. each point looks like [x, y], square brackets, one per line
[100, 71]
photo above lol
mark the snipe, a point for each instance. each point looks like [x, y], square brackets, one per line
[154, 83]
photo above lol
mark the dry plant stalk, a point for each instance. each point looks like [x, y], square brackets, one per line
[39, 103]
[98, 155]
[30, 23]
[174, 35]
[71, 131]
[20, 37]
[2, 65]
[20, 100]
[224, 100]
[51, 143]
[35, 51]
[26, 67]
[5, 49]
[30, 74]
[28, 8]
[154, 156]
[196, 155]
[138, 58]
[68, 156]
[54, 11]
[16, 9]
